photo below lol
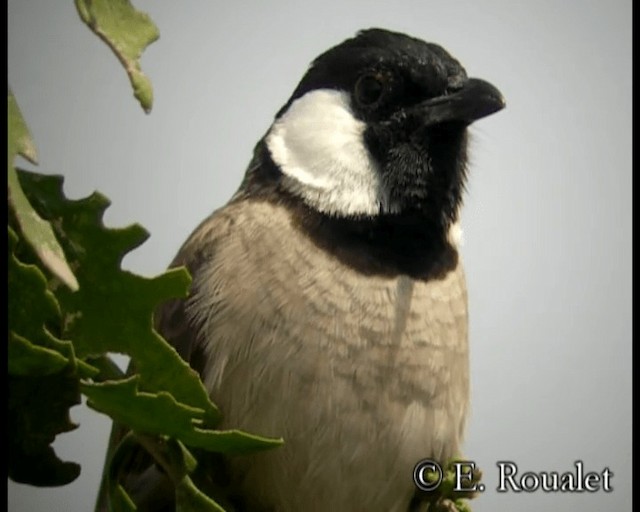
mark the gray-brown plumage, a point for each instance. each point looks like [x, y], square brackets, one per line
[328, 303]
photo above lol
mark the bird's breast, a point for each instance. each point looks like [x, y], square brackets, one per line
[362, 375]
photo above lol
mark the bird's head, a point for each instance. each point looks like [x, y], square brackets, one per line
[376, 131]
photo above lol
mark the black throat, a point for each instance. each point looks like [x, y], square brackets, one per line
[412, 243]
[385, 245]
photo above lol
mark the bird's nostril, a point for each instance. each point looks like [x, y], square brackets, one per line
[455, 83]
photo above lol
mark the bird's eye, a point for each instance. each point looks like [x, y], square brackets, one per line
[369, 89]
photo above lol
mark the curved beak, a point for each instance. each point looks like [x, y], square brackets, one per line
[474, 100]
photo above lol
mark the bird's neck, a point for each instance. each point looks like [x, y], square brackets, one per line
[389, 244]
[412, 243]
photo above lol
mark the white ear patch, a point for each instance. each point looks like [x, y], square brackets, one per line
[318, 145]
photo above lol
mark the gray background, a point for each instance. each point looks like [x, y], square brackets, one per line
[547, 220]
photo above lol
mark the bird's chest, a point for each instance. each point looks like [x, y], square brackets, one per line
[361, 375]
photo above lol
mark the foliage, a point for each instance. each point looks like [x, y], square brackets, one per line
[70, 305]
[127, 32]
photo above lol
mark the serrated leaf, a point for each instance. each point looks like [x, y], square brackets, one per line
[112, 310]
[30, 307]
[35, 230]
[30, 304]
[106, 368]
[159, 413]
[127, 32]
[43, 378]
[25, 358]
[38, 411]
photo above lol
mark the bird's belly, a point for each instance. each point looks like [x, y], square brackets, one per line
[362, 378]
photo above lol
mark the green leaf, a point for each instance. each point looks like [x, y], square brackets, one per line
[112, 310]
[38, 411]
[31, 306]
[127, 32]
[190, 499]
[44, 377]
[107, 368]
[117, 461]
[20, 142]
[35, 230]
[462, 505]
[445, 498]
[121, 502]
[161, 414]
[25, 358]
[178, 463]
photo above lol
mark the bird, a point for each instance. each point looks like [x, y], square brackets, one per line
[328, 304]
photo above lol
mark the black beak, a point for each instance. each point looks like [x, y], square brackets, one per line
[474, 100]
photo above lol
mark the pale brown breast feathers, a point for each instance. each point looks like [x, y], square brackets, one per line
[355, 371]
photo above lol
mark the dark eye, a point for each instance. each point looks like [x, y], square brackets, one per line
[369, 89]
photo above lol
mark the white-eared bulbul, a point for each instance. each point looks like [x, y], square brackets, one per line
[328, 303]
